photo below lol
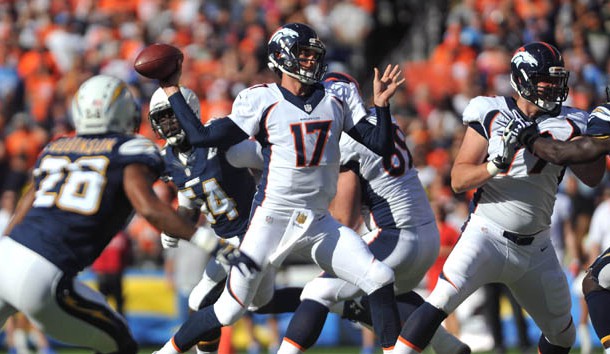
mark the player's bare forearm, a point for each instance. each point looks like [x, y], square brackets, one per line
[470, 167]
[467, 176]
[138, 181]
[188, 213]
[346, 206]
[590, 173]
[581, 150]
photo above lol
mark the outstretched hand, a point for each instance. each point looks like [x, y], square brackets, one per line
[385, 86]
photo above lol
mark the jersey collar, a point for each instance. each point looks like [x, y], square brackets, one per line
[305, 103]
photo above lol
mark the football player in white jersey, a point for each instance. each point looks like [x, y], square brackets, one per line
[84, 190]
[506, 238]
[298, 124]
[596, 284]
[404, 235]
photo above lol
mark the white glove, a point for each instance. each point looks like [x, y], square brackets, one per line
[508, 145]
[230, 255]
[168, 242]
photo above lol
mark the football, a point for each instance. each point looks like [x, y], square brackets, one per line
[158, 61]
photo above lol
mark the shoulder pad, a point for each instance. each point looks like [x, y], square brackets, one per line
[602, 112]
[478, 107]
[138, 146]
[340, 89]
[576, 116]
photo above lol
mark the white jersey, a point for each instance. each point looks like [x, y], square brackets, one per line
[520, 200]
[299, 139]
[392, 190]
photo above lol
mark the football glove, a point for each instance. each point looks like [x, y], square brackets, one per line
[230, 255]
[527, 136]
[509, 142]
[168, 242]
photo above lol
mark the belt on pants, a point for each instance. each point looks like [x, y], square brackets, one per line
[521, 240]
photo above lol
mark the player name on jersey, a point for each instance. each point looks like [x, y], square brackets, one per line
[82, 146]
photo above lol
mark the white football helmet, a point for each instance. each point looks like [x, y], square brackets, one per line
[162, 117]
[104, 104]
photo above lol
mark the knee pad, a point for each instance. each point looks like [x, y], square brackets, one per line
[205, 293]
[228, 310]
[318, 291]
[378, 276]
[561, 336]
[444, 296]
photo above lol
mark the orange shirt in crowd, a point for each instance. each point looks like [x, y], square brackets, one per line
[449, 237]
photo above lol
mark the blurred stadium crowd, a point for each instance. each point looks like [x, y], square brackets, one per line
[451, 51]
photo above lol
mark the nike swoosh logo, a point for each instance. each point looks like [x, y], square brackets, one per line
[543, 248]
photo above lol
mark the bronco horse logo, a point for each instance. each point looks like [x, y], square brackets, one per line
[280, 37]
[525, 57]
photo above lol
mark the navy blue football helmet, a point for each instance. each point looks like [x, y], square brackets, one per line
[536, 63]
[285, 46]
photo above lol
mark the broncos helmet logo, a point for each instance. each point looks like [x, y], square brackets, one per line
[282, 34]
[525, 57]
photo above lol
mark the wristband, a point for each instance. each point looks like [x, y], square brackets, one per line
[205, 238]
[492, 169]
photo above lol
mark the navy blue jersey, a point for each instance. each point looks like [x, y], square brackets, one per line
[599, 121]
[80, 202]
[222, 192]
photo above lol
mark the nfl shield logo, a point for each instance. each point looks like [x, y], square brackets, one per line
[307, 107]
[268, 219]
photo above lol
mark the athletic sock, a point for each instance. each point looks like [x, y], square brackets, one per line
[599, 311]
[384, 313]
[200, 324]
[544, 347]
[306, 324]
[422, 325]
[284, 300]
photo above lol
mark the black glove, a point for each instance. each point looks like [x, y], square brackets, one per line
[233, 257]
[527, 136]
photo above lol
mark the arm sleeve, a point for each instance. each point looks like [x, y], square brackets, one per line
[220, 133]
[378, 137]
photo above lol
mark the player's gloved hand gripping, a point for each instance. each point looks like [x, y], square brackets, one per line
[508, 145]
[528, 135]
[168, 242]
[233, 257]
[224, 251]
